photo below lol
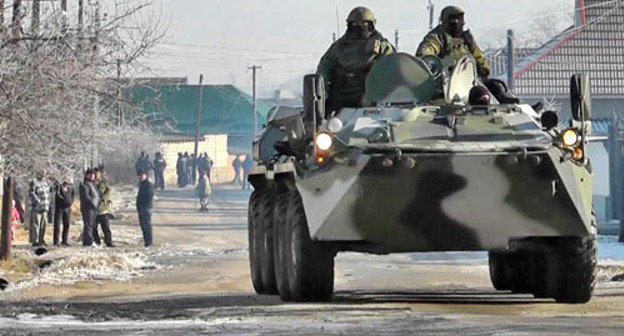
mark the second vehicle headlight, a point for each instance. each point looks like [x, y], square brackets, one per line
[570, 137]
[324, 141]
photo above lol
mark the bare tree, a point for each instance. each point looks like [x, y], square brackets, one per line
[59, 93]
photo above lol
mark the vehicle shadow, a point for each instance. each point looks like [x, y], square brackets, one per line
[481, 297]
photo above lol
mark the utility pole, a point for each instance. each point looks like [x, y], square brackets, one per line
[396, 40]
[511, 59]
[253, 69]
[431, 9]
[198, 121]
[7, 203]
[333, 37]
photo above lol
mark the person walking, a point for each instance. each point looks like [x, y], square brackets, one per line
[89, 203]
[39, 197]
[247, 165]
[105, 210]
[144, 204]
[237, 164]
[64, 198]
[203, 191]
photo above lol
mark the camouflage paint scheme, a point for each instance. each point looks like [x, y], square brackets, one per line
[462, 178]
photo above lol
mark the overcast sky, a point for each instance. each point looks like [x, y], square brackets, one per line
[221, 38]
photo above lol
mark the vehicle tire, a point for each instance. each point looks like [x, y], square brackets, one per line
[266, 247]
[310, 267]
[521, 273]
[500, 274]
[279, 253]
[254, 234]
[577, 269]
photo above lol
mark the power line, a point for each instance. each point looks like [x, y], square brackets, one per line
[204, 46]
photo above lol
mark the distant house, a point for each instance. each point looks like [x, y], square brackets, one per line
[226, 121]
[593, 45]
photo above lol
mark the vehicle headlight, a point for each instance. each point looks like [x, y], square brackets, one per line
[570, 137]
[324, 141]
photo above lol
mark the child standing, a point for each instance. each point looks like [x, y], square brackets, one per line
[203, 191]
[15, 221]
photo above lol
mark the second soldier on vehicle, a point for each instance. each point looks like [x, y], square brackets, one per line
[348, 61]
[450, 40]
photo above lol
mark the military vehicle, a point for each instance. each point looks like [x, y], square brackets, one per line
[424, 167]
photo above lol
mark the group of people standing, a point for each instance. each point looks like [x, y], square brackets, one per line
[52, 203]
[188, 167]
[46, 204]
[157, 166]
[96, 207]
[245, 166]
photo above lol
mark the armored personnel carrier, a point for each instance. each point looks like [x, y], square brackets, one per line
[434, 163]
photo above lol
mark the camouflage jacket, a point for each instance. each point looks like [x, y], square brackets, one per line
[441, 44]
[39, 195]
[346, 64]
[106, 204]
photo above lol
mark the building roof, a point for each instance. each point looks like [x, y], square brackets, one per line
[594, 45]
[171, 109]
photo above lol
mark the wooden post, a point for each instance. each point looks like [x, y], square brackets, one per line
[7, 204]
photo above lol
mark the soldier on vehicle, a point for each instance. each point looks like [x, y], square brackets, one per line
[449, 39]
[346, 64]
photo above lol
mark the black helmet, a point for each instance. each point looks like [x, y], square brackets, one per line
[445, 19]
[361, 14]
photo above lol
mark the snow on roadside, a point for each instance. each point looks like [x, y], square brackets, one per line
[76, 264]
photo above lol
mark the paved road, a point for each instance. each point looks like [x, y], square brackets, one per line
[210, 293]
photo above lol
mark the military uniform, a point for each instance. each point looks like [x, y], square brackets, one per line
[348, 61]
[440, 42]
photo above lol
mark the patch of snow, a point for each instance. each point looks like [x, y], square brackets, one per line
[609, 249]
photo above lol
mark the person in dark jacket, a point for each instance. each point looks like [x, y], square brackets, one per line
[159, 171]
[182, 168]
[63, 200]
[144, 204]
[247, 164]
[179, 169]
[105, 209]
[201, 165]
[89, 203]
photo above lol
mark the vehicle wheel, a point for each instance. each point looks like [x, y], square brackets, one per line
[279, 253]
[499, 270]
[310, 267]
[254, 234]
[266, 247]
[577, 269]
